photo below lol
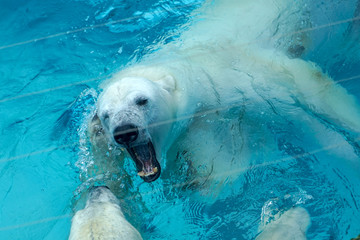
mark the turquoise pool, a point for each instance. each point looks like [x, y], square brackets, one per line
[54, 55]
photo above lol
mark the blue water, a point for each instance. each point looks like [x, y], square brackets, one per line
[49, 88]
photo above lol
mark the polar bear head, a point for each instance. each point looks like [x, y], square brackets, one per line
[136, 113]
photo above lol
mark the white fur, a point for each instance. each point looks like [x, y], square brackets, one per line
[102, 218]
[291, 225]
[221, 60]
[152, 118]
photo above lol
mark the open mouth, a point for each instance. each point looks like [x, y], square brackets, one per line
[144, 157]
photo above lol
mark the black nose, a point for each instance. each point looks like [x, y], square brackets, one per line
[126, 134]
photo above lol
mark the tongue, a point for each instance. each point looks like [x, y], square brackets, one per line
[148, 168]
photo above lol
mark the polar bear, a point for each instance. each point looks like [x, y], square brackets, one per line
[227, 58]
[292, 224]
[102, 218]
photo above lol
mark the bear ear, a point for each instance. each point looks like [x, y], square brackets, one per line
[168, 83]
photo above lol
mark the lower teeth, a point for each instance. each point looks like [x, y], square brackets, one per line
[143, 174]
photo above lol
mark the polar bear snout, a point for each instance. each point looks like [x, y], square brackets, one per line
[125, 134]
[101, 194]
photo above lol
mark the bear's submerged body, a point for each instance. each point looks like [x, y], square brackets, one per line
[223, 97]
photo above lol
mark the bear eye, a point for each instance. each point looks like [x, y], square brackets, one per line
[141, 101]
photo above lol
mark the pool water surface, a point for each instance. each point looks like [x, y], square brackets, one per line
[53, 57]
